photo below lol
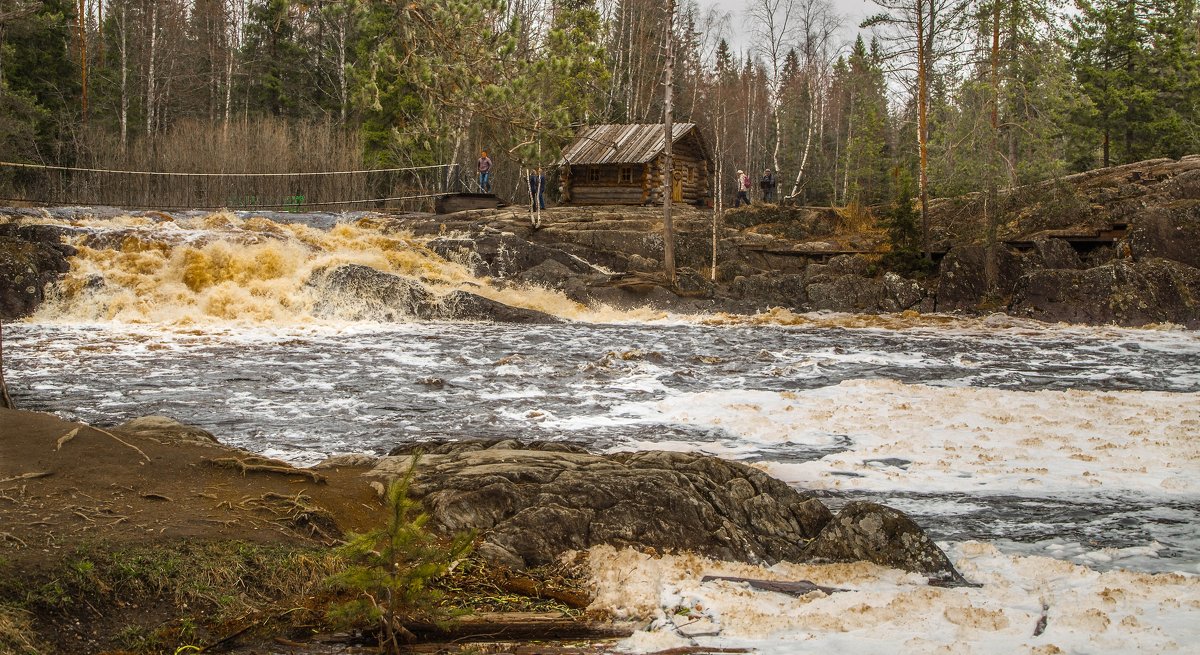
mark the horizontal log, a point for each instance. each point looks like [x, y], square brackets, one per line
[520, 625]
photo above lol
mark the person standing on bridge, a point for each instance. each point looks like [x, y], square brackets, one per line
[485, 172]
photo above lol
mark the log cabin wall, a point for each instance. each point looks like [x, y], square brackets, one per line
[620, 165]
[692, 173]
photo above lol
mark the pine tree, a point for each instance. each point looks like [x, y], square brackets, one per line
[39, 83]
[275, 65]
[1136, 61]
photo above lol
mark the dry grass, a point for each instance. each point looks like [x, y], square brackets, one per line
[16, 632]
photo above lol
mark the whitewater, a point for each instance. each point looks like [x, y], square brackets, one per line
[1057, 465]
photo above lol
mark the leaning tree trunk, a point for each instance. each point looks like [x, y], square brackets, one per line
[5, 400]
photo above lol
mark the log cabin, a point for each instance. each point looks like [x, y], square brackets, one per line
[623, 165]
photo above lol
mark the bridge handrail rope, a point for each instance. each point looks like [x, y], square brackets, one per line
[131, 188]
[249, 208]
[170, 174]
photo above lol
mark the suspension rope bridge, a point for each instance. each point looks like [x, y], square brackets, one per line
[45, 184]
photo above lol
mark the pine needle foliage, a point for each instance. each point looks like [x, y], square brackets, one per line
[391, 570]
[902, 222]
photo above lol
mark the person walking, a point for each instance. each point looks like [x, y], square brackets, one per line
[767, 184]
[743, 189]
[485, 172]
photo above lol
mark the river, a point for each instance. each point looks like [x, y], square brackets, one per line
[1018, 439]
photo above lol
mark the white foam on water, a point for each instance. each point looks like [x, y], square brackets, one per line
[962, 439]
[886, 611]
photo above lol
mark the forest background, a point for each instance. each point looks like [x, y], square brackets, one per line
[932, 98]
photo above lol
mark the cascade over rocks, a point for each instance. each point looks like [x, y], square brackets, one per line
[532, 502]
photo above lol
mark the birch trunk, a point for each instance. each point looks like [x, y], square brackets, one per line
[849, 149]
[150, 71]
[124, 80]
[668, 160]
[807, 139]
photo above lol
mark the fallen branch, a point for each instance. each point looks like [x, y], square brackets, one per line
[8, 536]
[533, 589]
[792, 588]
[120, 440]
[699, 650]
[521, 625]
[65, 438]
[28, 476]
[256, 465]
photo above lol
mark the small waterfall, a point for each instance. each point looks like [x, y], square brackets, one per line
[222, 267]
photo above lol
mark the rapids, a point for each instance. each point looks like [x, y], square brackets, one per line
[1078, 443]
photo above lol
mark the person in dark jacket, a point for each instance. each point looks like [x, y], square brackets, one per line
[767, 185]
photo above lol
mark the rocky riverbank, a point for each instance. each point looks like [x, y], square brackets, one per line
[151, 535]
[1111, 246]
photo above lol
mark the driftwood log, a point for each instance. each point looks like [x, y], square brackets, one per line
[520, 625]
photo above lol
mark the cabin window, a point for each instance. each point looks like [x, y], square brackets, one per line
[593, 174]
[625, 175]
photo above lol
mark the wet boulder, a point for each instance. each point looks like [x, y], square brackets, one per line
[1122, 292]
[466, 306]
[847, 293]
[1055, 253]
[504, 255]
[530, 506]
[964, 284]
[901, 293]
[1168, 232]
[167, 430]
[870, 532]
[356, 292]
[759, 292]
[31, 257]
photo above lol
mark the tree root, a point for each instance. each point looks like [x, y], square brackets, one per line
[119, 440]
[65, 438]
[297, 513]
[263, 465]
[28, 476]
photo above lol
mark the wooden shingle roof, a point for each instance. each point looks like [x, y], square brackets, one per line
[622, 144]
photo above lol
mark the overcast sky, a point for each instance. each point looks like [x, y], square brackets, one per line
[852, 11]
